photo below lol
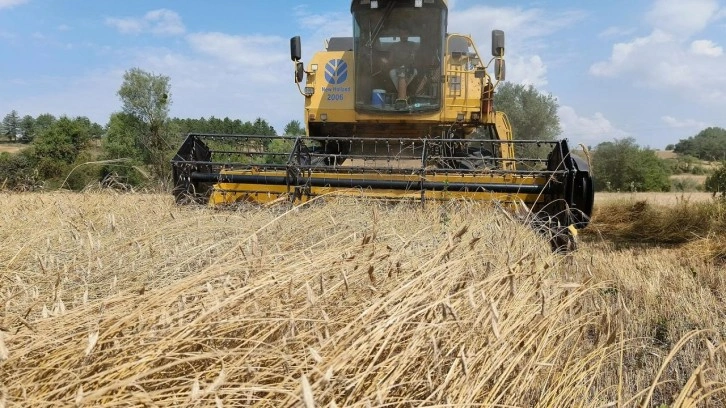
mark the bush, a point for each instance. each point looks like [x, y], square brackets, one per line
[698, 170]
[685, 165]
[625, 166]
[18, 171]
[63, 141]
[79, 174]
[716, 182]
[686, 185]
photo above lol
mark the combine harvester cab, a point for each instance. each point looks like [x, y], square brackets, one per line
[401, 110]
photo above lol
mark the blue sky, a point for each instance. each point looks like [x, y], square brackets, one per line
[654, 70]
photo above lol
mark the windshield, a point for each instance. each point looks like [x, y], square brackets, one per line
[398, 51]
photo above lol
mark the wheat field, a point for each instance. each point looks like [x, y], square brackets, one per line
[129, 300]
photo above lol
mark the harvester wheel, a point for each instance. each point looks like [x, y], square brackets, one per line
[317, 157]
[313, 156]
[475, 159]
[321, 156]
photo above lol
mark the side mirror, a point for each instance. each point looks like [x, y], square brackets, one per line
[480, 73]
[500, 69]
[497, 43]
[299, 72]
[295, 49]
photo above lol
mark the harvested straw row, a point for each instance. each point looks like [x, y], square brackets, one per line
[647, 222]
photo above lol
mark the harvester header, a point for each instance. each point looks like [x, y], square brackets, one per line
[402, 109]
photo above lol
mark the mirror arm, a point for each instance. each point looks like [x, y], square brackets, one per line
[299, 88]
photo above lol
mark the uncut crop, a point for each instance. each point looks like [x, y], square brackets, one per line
[118, 300]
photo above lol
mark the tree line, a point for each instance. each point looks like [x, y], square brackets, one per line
[709, 144]
[132, 149]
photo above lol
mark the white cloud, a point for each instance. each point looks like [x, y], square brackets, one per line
[254, 51]
[612, 32]
[333, 24]
[165, 22]
[126, 25]
[527, 71]
[683, 18]
[588, 130]
[624, 53]
[11, 3]
[668, 59]
[706, 48]
[321, 26]
[683, 124]
[525, 30]
[521, 24]
[664, 60]
[159, 22]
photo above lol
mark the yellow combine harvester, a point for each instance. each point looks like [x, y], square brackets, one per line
[401, 110]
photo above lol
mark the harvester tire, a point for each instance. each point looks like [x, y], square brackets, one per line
[322, 156]
[475, 159]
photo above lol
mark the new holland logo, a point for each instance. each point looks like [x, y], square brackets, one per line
[336, 71]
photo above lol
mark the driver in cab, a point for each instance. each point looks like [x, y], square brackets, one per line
[401, 59]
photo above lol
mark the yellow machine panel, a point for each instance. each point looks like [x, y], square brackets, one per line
[332, 77]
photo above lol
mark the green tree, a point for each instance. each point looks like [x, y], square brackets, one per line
[147, 97]
[121, 141]
[62, 151]
[709, 144]
[654, 174]
[27, 129]
[43, 122]
[625, 166]
[64, 140]
[262, 128]
[293, 128]
[11, 125]
[123, 144]
[533, 115]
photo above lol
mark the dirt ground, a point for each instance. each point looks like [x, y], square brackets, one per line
[11, 147]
